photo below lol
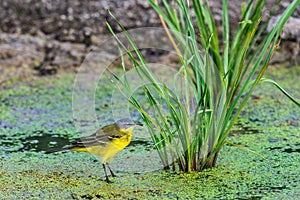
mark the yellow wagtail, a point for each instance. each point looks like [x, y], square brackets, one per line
[105, 143]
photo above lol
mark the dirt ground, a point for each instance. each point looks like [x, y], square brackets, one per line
[52, 36]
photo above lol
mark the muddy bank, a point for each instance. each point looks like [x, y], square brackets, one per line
[48, 37]
[77, 21]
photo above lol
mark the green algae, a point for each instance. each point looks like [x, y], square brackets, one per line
[38, 117]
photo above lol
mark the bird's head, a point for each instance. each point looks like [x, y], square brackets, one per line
[127, 124]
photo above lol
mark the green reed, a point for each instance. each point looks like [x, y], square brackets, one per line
[189, 123]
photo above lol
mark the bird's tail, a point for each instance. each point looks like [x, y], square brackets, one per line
[57, 150]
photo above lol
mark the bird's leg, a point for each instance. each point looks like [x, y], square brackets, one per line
[111, 171]
[106, 177]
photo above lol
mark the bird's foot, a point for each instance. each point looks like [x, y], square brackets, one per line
[108, 181]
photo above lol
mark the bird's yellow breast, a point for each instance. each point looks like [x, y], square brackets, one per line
[113, 147]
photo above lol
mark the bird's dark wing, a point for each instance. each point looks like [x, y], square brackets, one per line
[100, 137]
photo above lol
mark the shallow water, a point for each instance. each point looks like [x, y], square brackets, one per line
[39, 118]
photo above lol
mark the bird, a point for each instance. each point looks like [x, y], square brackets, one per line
[105, 143]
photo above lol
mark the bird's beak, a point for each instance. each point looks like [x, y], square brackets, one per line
[138, 124]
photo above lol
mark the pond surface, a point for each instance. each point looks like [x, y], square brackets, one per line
[38, 117]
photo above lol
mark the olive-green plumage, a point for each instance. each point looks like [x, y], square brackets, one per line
[106, 142]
